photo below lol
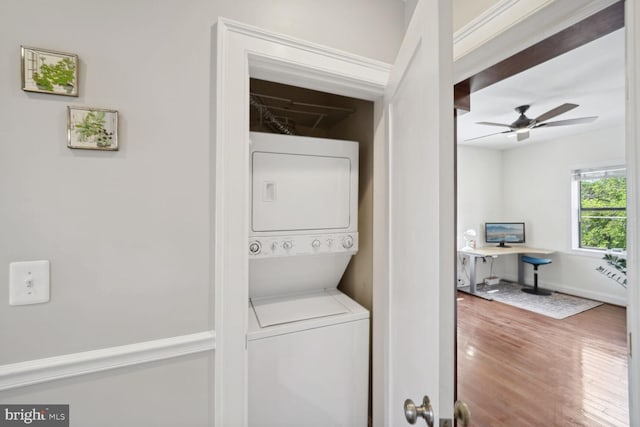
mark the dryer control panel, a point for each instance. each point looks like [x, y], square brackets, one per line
[282, 246]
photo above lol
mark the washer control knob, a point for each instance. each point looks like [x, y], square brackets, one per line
[255, 247]
[315, 244]
[287, 245]
[347, 242]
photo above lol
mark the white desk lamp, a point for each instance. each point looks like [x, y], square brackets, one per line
[470, 239]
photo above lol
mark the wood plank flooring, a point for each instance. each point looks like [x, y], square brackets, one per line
[518, 368]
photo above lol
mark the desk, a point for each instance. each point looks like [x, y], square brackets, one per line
[491, 251]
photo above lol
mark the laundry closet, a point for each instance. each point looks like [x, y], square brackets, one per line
[308, 343]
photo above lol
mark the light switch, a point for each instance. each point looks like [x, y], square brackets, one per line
[28, 282]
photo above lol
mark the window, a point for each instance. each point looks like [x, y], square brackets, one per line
[601, 200]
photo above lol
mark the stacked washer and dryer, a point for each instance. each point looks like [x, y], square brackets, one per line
[308, 343]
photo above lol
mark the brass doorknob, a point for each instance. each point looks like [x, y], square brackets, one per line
[413, 412]
[461, 413]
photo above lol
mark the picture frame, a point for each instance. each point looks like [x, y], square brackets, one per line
[90, 128]
[49, 71]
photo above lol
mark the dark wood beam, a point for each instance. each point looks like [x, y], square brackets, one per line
[462, 96]
[591, 28]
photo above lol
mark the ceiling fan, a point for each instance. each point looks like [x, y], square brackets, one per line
[523, 124]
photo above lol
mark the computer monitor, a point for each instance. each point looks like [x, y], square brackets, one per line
[504, 232]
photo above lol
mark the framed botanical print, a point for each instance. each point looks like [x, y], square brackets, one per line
[48, 71]
[92, 128]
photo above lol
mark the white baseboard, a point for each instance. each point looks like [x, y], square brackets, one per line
[578, 292]
[70, 365]
[597, 296]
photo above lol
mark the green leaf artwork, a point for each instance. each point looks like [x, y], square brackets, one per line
[617, 268]
[92, 129]
[62, 74]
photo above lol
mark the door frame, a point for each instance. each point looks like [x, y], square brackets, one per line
[239, 52]
[632, 15]
[533, 29]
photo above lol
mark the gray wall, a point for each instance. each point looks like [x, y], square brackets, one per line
[126, 232]
[171, 393]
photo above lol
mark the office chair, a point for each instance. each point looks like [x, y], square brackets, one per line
[536, 262]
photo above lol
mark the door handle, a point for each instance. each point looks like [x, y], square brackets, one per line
[461, 413]
[413, 412]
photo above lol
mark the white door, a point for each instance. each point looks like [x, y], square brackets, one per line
[419, 109]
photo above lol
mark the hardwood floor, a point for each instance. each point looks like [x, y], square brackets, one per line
[518, 368]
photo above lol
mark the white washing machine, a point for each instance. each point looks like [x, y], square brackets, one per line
[308, 371]
[308, 343]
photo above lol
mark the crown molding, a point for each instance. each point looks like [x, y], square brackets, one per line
[318, 49]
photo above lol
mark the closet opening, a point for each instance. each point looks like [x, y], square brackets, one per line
[277, 108]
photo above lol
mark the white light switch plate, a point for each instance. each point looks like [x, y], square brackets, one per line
[28, 282]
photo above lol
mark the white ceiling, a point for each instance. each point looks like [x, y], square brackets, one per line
[591, 76]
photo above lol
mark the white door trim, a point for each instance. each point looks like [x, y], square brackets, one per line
[47, 369]
[238, 52]
[536, 27]
[632, 15]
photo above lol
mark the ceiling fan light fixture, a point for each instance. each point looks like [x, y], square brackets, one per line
[521, 136]
[520, 128]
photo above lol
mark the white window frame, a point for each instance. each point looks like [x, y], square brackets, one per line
[611, 169]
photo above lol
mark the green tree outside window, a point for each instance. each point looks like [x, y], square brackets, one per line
[603, 213]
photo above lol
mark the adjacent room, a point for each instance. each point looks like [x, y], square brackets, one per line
[541, 154]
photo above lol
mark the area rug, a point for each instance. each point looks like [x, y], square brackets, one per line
[556, 305]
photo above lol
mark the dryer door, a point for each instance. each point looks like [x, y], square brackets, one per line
[300, 192]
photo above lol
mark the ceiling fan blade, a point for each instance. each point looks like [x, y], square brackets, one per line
[555, 112]
[486, 136]
[493, 124]
[568, 122]
[522, 135]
